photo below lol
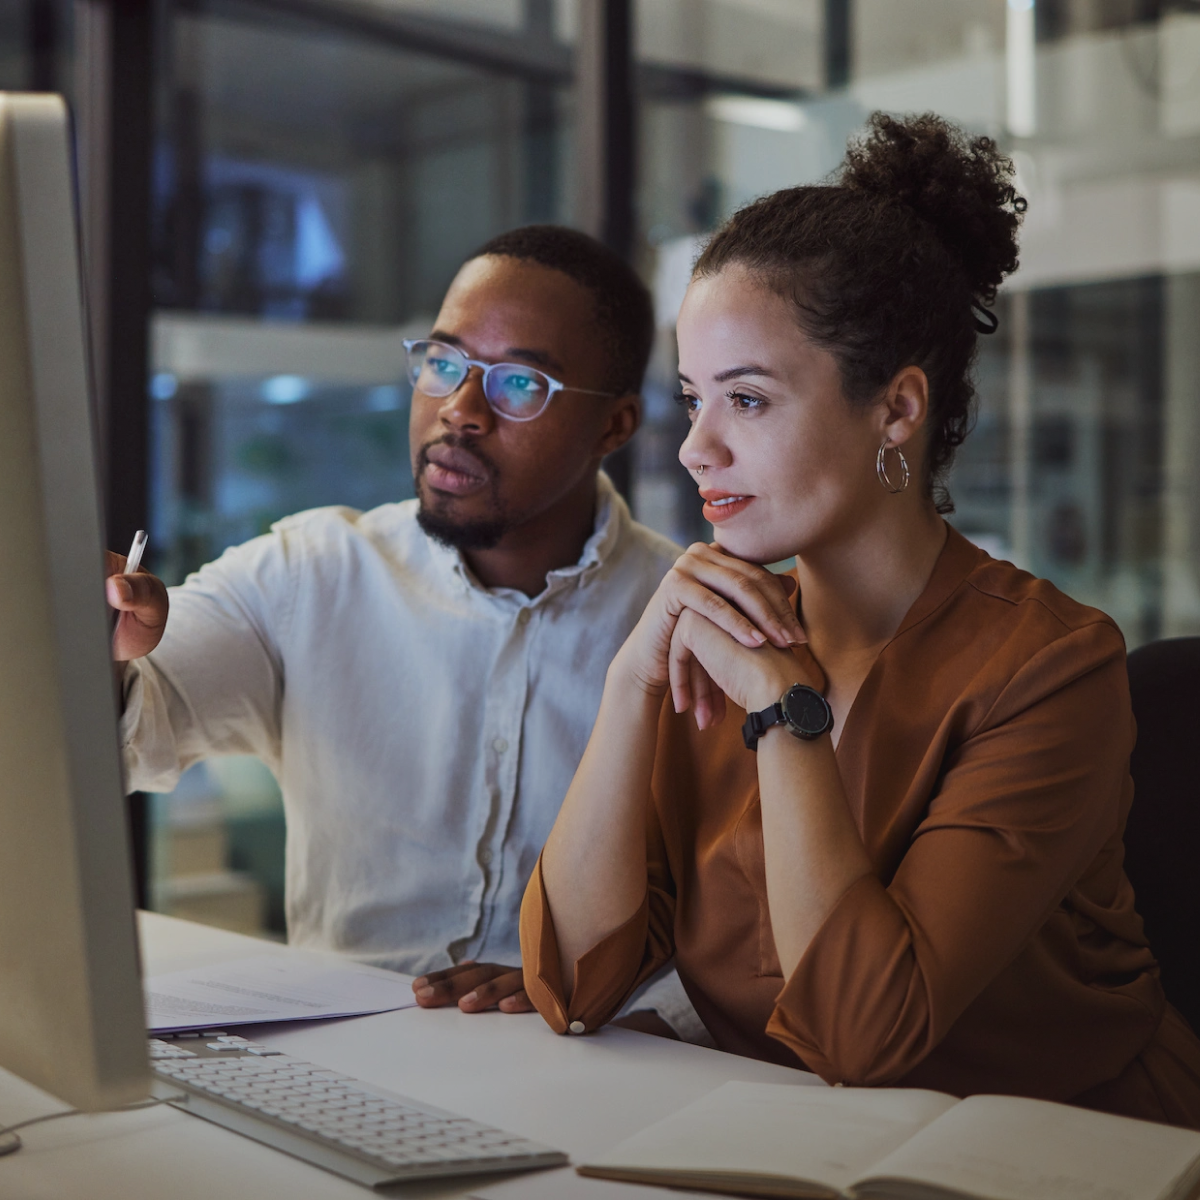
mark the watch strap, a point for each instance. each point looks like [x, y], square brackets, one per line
[757, 723]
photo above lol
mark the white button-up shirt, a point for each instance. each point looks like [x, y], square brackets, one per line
[423, 729]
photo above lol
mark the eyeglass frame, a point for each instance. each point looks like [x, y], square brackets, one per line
[485, 368]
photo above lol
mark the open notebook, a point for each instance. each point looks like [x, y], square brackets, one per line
[756, 1139]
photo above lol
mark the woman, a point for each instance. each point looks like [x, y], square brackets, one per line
[916, 878]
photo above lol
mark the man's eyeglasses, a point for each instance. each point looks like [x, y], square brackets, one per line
[513, 391]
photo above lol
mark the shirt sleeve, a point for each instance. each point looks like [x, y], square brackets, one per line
[665, 995]
[214, 684]
[612, 970]
[1026, 803]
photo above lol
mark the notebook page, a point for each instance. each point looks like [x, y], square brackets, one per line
[827, 1136]
[1005, 1148]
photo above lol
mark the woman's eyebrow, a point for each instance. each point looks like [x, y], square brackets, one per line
[734, 372]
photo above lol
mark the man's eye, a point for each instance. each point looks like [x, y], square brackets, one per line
[526, 383]
[443, 366]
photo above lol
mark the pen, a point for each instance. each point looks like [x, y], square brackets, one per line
[135, 552]
[132, 562]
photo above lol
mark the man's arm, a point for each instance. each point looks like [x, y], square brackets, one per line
[213, 682]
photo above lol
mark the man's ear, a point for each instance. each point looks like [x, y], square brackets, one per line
[623, 420]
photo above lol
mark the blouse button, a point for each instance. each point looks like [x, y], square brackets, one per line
[524, 616]
[577, 1027]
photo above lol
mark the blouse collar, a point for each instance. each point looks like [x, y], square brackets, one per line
[957, 560]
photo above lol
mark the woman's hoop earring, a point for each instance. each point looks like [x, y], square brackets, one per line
[881, 467]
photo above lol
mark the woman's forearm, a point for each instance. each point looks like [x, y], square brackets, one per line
[594, 862]
[813, 850]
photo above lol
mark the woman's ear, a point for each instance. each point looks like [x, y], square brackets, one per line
[905, 405]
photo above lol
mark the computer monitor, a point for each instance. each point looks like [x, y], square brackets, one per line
[71, 1016]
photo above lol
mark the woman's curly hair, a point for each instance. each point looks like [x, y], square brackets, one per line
[894, 264]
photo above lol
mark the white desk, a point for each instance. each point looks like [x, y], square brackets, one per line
[578, 1094]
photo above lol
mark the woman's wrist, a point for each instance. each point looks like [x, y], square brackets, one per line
[771, 684]
[623, 679]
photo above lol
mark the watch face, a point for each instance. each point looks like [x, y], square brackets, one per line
[806, 710]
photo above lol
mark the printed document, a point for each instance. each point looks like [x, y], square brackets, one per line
[270, 987]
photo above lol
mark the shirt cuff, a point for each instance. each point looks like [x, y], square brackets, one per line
[132, 700]
[604, 977]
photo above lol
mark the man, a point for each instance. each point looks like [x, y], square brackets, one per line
[423, 678]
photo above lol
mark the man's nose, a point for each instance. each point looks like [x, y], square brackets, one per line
[466, 410]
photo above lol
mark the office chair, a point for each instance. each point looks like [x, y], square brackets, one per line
[1162, 839]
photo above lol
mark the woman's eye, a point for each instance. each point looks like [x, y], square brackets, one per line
[746, 403]
[688, 401]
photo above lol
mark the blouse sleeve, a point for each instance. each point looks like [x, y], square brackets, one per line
[1026, 803]
[613, 969]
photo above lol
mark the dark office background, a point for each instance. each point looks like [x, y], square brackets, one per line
[275, 192]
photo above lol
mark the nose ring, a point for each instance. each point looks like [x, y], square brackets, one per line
[700, 469]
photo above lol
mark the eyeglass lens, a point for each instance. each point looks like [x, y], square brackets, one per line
[512, 390]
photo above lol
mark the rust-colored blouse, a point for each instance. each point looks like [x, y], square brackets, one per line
[995, 947]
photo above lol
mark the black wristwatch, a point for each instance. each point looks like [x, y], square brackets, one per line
[804, 711]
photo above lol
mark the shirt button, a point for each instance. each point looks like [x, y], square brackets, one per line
[577, 1027]
[485, 856]
[524, 616]
[499, 745]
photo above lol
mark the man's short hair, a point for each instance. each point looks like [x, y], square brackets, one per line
[624, 309]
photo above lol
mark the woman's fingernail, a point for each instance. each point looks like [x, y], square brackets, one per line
[757, 636]
[470, 998]
[425, 992]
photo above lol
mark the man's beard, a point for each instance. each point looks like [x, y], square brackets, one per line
[482, 533]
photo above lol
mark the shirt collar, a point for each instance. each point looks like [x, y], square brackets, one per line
[612, 515]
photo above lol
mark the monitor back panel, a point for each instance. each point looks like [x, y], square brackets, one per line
[71, 1017]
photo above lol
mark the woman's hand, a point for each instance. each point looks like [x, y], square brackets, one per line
[706, 665]
[747, 603]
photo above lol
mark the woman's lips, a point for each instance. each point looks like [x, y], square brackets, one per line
[720, 506]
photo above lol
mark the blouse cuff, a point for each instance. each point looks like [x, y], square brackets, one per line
[605, 976]
[848, 1003]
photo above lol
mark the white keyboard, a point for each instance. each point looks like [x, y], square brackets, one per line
[355, 1130]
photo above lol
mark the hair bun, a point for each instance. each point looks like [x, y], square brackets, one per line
[962, 187]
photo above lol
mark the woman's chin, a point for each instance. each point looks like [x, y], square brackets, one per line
[752, 549]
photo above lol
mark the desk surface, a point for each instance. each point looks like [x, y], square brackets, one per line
[578, 1094]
